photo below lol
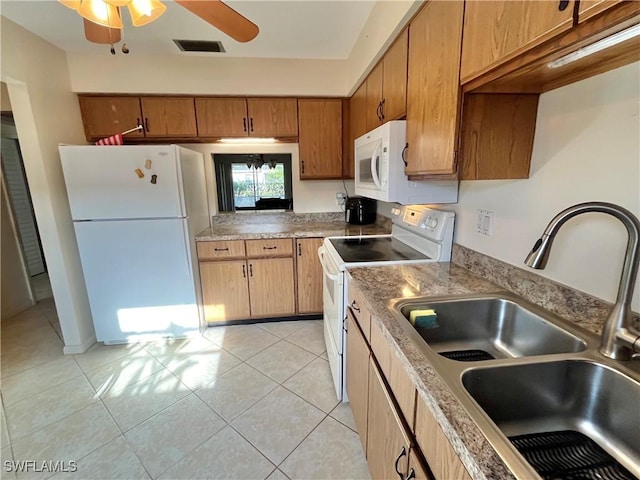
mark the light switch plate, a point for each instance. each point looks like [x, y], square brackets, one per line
[484, 223]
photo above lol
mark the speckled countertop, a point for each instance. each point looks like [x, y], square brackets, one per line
[380, 284]
[285, 225]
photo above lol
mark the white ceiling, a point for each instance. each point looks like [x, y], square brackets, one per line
[288, 29]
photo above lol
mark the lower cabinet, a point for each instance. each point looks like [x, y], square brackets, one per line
[225, 291]
[309, 275]
[236, 288]
[397, 429]
[271, 287]
[357, 377]
[388, 442]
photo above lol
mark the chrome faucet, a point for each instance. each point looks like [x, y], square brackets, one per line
[617, 342]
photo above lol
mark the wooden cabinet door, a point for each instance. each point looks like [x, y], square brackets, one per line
[433, 92]
[590, 8]
[222, 117]
[394, 83]
[357, 123]
[169, 117]
[357, 381]
[225, 291]
[309, 275]
[320, 138]
[105, 116]
[387, 441]
[271, 286]
[374, 116]
[440, 455]
[497, 31]
[273, 117]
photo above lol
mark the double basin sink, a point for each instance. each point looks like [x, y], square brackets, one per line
[549, 403]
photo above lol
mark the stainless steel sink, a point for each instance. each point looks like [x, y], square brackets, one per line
[496, 325]
[570, 395]
[546, 379]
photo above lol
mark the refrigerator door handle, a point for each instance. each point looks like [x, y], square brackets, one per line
[187, 248]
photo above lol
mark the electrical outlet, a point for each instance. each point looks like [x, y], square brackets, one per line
[484, 224]
[340, 198]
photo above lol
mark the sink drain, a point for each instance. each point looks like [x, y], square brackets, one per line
[468, 355]
[568, 455]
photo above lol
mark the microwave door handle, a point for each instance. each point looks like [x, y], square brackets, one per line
[374, 171]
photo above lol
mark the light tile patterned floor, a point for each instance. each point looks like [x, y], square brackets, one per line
[242, 402]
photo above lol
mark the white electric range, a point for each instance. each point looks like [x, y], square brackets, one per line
[419, 234]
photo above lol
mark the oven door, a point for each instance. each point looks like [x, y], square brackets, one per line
[332, 297]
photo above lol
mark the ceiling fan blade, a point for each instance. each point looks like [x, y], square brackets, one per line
[98, 34]
[223, 17]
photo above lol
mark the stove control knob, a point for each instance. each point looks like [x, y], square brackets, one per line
[433, 222]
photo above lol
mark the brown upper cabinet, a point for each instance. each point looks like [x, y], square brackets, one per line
[433, 92]
[320, 138]
[386, 86]
[590, 8]
[247, 117]
[105, 116]
[498, 31]
[171, 117]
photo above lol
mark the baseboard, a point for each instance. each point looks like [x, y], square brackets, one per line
[77, 349]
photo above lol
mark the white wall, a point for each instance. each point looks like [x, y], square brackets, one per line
[309, 196]
[586, 148]
[46, 112]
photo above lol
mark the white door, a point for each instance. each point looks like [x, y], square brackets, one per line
[138, 277]
[122, 182]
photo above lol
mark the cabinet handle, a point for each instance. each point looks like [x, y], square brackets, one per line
[251, 124]
[355, 306]
[269, 248]
[562, 5]
[244, 123]
[221, 249]
[402, 453]
[411, 475]
[146, 124]
[138, 123]
[244, 271]
[382, 109]
[299, 250]
[251, 270]
[302, 166]
[378, 111]
[402, 155]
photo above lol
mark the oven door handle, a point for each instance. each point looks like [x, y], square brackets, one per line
[325, 269]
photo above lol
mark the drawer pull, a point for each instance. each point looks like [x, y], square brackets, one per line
[402, 453]
[221, 249]
[411, 475]
[562, 5]
[355, 306]
[269, 248]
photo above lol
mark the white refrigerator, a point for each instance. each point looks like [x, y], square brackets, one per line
[136, 211]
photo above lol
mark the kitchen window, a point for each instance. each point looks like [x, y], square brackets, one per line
[253, 181]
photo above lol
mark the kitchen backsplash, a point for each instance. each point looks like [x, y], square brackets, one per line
[587, 310]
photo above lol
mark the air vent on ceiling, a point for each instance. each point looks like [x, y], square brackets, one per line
[199, 46]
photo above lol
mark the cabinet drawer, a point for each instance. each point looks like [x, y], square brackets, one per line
[393, 370]
[282, 247]
[221, 250]
[360, 312]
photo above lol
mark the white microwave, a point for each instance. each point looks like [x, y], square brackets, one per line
[379, 170]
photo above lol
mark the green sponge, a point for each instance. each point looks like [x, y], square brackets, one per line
[424, 318]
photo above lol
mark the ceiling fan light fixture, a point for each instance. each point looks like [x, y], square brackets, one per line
[97, 11]
[145, 11]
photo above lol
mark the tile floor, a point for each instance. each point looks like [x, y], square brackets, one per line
[242, 402]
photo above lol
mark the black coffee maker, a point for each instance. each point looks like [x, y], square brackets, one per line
[360, 210]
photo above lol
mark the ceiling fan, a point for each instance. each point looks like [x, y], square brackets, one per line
[103, 19]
